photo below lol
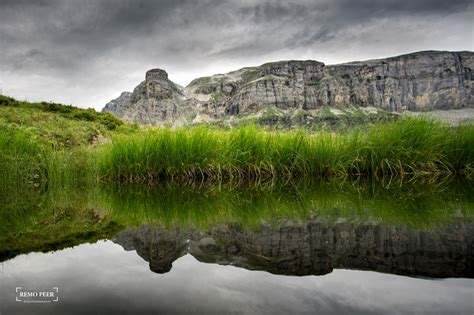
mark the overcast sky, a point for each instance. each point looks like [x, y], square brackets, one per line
[86, 53]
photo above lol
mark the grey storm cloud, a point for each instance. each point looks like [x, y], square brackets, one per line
[87, 52]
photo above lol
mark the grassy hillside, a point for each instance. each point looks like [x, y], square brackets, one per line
[42, 141]
[61, 126]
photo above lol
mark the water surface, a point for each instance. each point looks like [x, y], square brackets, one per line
[103, 278]
[357, 248]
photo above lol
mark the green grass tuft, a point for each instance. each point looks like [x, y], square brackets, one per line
[408, 147]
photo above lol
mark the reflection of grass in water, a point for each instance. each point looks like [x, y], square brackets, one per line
[61, 217]
[44, 221]
[418, 206]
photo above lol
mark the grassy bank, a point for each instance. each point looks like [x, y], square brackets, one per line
[53, 144]
[409, 147]
[48, 143]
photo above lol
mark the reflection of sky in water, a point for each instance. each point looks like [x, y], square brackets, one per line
[102, 278]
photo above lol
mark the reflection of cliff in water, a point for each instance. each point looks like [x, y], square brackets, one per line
[312, 248]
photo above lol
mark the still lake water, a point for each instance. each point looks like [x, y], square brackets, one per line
[344, 249]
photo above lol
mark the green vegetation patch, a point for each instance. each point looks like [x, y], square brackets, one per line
[107, 119]
[58, 126]
[216, 97]
[46, 146]
[407, 148]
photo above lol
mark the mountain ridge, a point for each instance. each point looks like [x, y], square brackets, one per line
[419, 81]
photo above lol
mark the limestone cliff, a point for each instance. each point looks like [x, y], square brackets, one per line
[414, 82]
[155, 100]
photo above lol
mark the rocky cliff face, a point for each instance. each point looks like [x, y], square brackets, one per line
[414, 82]
[312, 248]
[155, 100]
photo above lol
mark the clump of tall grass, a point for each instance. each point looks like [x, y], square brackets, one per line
[415, 147]
[409, 147]
[21, 158]
[28, 162]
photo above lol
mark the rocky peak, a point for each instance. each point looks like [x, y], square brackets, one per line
[156, 75]
[157, 100]
[158, 86]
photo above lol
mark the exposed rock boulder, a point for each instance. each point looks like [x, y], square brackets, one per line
[413, 82]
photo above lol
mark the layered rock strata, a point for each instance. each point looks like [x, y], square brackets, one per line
[414, 82]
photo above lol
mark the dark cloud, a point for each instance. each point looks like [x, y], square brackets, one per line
[411, 7]
[86, 52]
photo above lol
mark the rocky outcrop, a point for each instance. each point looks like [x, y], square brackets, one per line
[313, 248]
[413, 82]
[157, 100]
